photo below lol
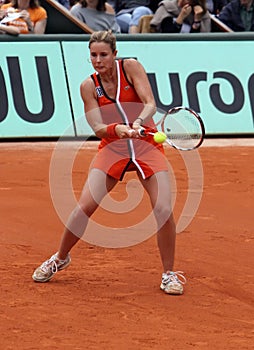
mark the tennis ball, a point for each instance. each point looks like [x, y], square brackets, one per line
[159, 137]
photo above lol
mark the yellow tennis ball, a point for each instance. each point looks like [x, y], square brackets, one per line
[159, 137]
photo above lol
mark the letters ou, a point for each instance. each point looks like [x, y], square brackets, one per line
[18, 93]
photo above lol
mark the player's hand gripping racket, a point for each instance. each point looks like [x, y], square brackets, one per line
[182, 129]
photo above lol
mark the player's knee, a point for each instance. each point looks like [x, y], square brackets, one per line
[163, 212]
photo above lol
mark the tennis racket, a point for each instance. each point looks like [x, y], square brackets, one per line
[183, 127]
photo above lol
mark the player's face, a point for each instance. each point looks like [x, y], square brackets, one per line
[102, 57]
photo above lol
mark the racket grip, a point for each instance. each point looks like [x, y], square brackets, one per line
[142, 132]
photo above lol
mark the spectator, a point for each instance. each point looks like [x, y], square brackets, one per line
[215, 6]
[5, 28]
[72, 3]
[154, 4]
[97, 14]
[129, 12]
[12, 19]
[3, 2]
[175, 16]
[238, 15]
[32, 18]
[112, 3]
[65, 3]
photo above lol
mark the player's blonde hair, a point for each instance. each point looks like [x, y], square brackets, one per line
[105, 36]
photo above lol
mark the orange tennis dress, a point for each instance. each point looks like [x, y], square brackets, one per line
[116, 156]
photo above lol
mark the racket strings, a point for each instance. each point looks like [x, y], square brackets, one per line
[183, 129]
[178, 136]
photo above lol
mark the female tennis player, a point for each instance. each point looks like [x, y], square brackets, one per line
[117, 100]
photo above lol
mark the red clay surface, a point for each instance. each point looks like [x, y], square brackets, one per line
[110, 298]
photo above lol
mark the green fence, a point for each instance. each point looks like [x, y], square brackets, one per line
[40, 78]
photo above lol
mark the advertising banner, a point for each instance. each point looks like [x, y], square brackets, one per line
[40, 83]
[34, 96]
[205, 76]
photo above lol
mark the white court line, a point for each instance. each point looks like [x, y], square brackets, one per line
[228, 142]
[213, 142]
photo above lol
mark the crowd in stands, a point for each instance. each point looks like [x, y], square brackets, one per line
[131, 16]
[97, 14]
[27, 16]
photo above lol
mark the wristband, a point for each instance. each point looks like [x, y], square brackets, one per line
[142, 120]
[111, 130]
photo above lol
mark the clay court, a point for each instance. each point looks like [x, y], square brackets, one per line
[110, 298]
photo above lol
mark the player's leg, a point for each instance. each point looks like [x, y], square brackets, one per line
[158, 188]
[96, 187]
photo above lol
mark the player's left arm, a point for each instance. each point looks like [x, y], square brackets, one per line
[137, 75]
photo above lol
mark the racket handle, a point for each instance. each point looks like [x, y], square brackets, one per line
[142, 132]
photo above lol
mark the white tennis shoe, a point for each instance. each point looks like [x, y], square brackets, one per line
[172, 282]
[48, 268]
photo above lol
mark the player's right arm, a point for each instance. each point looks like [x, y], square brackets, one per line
[93, 114]
[91, 107]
